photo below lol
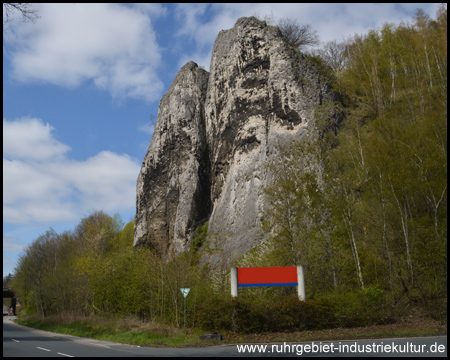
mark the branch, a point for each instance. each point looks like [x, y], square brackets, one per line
[26, 11]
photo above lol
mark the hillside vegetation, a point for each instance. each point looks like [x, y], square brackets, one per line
[369, 225]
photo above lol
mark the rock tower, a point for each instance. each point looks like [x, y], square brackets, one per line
[215, 132]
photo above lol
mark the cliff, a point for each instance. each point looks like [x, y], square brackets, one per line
[214, 134]
[172, 187]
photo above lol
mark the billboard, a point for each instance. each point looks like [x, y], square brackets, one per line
[267, 276]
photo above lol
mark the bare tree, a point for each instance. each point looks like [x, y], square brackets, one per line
[333, 53]
[298, 36]
[27, 13]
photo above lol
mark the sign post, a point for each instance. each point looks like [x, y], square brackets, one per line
[185, 292]
[301, 283]
[234, 281]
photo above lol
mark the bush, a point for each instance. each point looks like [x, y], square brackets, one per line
[215, 313]
[362, 307]
[199, 236]
[250, 315]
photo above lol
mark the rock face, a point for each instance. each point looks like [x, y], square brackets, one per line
[214, 134]
[173, 185]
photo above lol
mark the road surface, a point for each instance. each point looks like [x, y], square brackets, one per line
[25, 342]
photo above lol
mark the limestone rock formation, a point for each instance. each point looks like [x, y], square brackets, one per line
[216, 131]
[172, 187]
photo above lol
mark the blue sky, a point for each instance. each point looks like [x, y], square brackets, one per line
[82, 84]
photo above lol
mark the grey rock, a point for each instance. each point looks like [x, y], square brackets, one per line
[207, 155]
[173, 182]
[261, 94]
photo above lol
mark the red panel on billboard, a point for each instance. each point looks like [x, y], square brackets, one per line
[267, 276]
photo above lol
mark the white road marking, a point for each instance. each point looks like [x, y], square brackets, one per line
[15, 340]
[65, 355]
[43, 348]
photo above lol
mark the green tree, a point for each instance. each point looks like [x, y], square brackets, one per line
[34, 272]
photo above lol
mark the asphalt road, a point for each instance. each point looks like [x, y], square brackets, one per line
[25, 342]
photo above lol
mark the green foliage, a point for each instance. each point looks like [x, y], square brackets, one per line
[363, 209]
[324, 69]
[361, 307]
[199, 236]
[393, 150]
[373, 208]
[259, 315]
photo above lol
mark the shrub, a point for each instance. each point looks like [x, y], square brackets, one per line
[361, 307]
[215, 313]
[252, 315]
[199, 236]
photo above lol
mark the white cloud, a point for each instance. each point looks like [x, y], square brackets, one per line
[112, 45]
[30, 138]
[106, 180]
[333, 21]
[23, 181]
[189, 16]
[46, 186]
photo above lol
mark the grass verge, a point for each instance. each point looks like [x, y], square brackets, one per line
[128, 330]
[125, 330]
